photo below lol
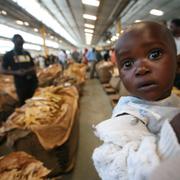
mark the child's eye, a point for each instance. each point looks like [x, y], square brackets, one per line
[127, 64]
[155, 54]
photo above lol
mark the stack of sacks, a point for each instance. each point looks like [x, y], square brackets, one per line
[49, 114]
[77, 72]
[22, 166]
[7, 105]
[46, 127]
[176, 91]
[75, 75]
[7, 84]
[48, 75]
[103, 69]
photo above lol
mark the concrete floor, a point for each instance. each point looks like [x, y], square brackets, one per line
[94, 107]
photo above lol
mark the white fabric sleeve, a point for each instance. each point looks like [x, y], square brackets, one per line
[168, 144]
[124, 138]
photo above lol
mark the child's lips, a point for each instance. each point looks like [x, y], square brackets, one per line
[146, 86]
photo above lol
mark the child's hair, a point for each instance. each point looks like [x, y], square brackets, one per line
[163, 29]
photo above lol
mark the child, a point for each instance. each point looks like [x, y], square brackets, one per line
[144, 127]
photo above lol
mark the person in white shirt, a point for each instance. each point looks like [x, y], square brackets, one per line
[144, 129]
[62, 58]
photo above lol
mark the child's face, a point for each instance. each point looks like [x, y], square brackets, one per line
[146, 60]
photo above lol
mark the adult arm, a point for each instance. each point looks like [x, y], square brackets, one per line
[175, 123]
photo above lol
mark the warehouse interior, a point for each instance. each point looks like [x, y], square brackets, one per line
[51, 136]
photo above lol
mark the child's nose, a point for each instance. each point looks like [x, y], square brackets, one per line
[142, 68]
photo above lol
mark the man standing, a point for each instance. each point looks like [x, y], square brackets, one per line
[19, 63]
[92, 59]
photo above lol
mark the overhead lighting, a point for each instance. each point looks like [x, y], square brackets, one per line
[138, 20]
[91, 17]
[89, 30]
[89, 26]
[88, 41]
[108, 41]
[6, 31]
[26, 23]
[114, 38]
[156, 12]
[91, 2]
[7, 45]
[34, 8]
[19, 22]
[88, 34]
[32, 47]
[4, 12]
[36, 30]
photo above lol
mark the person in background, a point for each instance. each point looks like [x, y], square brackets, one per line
[41, 60]
[92, 59]
[76, 56]
[175, 29]
[106, 55]
[112, 56]
[98, 55]
[144, 129]
[84, 59]
[19, 63]
[63, 58]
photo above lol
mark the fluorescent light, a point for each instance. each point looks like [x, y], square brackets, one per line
[52, 44]
[88, 34]
[138, 20]
[89, 26]
[7, 45]
[19, 22]
[91, 17]
[89, 30]
[32, 47]
[34, 8]
[36, 30]
[114, 38]
[26, 23]
[52, 37]
[88, 37]
[6, 31]
[4, 12]
[156, 12]
[91, 2]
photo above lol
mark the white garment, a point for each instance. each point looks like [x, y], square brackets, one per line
[134, 143]
[177, 40]
[62, 57]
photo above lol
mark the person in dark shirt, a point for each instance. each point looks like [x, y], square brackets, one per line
[19, 63]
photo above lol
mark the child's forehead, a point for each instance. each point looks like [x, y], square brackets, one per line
[146, 32]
